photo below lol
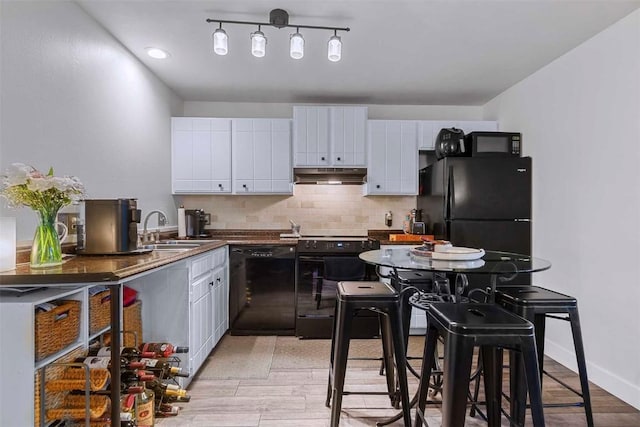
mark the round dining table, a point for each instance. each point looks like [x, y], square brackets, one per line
[499, 267]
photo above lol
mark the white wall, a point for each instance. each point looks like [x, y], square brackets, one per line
[379, 112]
[75, 99]
[580, 120]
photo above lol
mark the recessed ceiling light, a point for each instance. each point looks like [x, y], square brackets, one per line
[156, 53]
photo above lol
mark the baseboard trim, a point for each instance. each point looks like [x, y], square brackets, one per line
[619, 387]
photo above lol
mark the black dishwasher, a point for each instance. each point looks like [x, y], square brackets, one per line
[262, 290]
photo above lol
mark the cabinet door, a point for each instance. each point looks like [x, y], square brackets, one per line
[202, 158]
[377, 167]
[348, 136]
[181, 154]
[311, 136]
[200, 328]
[426, 141]
[200, 155]
[393, 157]
[221, 155]
[262, 156]
[408, 158]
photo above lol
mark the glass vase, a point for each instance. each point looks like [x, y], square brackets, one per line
[46, 250]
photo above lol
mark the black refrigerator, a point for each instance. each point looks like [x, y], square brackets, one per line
[479, 202]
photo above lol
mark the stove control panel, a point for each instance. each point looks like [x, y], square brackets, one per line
[337, 246]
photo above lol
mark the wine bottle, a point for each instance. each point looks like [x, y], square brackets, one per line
[145, 408]
[163, 390]
[161, 349]
[163, 368]
[127, 352]
[129, 376]
[166, 410]
[128, 410]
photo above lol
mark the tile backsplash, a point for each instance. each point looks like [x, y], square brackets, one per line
[319, 209]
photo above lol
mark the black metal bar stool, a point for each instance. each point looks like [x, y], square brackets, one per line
[383, 299]
[466, 325]
[536, 304]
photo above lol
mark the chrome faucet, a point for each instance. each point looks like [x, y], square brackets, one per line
[162, 220]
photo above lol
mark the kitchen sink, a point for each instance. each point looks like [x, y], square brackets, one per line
[176, 247]
[197, 242]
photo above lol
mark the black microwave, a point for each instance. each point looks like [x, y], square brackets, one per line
[492, 144]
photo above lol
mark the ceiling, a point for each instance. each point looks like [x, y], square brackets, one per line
[416, 52]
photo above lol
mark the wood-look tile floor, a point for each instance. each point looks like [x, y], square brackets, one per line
[295, 396]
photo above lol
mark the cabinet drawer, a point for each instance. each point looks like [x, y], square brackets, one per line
[201, 265]
[200, 287]
[219, 257]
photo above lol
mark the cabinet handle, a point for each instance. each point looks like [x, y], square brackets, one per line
[220, 186]
[338, 158]
[244, 185]
[378, 186]
[211, 283]
[322, 158]
[218, 279]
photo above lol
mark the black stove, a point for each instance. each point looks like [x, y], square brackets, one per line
[335, 245]
[320, 262]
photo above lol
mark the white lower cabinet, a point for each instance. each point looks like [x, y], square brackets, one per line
[418, 325]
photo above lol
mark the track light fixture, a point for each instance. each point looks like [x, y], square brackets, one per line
[278, 18]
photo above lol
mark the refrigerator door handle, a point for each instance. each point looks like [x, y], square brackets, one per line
[522, 220]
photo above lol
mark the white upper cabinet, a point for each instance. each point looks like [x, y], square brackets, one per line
[348, 136]
[393, 157]
[262, 156]
[200, 155]
[326, 136]
[428, 129]
[311, 136]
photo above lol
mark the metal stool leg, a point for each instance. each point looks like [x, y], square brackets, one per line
[529, 354]
[401, 362]
[458, 354]
[341, 351]
[428, 359]
[582, 366]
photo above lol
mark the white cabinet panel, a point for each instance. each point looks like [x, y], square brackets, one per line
[200, 155]
[329, 136]
[261, 156]
[393, 157]
[477, 125]
[311, 135]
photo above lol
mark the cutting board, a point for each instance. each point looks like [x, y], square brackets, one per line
[409, 237]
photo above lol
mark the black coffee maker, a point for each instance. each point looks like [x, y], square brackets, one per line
[195, 221]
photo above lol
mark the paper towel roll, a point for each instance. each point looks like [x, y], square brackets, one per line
[182, 227]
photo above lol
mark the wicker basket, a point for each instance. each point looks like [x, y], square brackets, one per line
[53, 399]
[57, 328]
[99, 311]
[74, 379]
[132, 322]
[73, 407]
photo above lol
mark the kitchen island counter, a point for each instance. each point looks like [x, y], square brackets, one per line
[98, 268]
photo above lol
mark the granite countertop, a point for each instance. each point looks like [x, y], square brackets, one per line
[98, 268]
[114, 268]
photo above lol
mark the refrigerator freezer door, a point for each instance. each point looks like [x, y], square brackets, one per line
[505, 236]
[488, 188]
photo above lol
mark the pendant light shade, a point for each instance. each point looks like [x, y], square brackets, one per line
[278, 18]
[258, 44]
[220, 42]
[296, 46]
[334, 50]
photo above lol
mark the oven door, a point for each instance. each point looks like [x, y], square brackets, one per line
[316, 300]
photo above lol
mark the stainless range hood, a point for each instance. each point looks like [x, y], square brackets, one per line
[338, 176]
